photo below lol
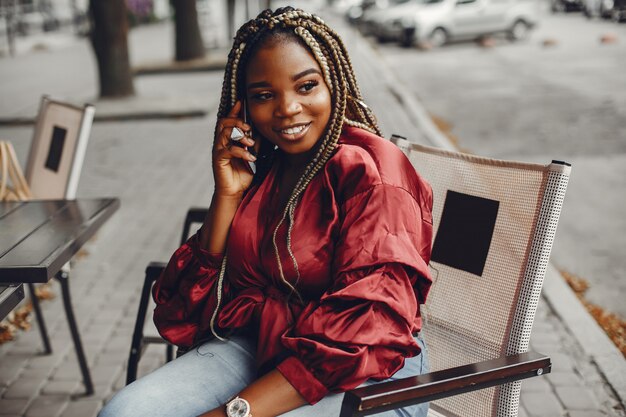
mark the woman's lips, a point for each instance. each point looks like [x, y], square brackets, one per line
[293, 133]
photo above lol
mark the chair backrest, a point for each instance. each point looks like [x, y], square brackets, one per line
[58, 149]
[494, 223]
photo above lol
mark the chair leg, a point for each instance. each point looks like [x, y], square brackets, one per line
[136, 347]
[169, 353]
[41, 324]
[63, 278]
[133, 363]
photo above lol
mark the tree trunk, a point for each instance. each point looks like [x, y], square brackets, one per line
[189, 44]
[109, 38]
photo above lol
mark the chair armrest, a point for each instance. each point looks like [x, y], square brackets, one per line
[194, 215]
[153, 271]
[385, 396]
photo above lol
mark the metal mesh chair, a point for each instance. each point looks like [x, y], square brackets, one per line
[58, 148]
[145, 332]
[494, 224]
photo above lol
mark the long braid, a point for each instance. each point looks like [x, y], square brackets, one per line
[330, 53]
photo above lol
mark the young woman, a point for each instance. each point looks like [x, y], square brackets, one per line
[306, 277]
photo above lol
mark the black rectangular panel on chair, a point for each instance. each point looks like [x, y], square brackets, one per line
[465, 232]
[56, 148]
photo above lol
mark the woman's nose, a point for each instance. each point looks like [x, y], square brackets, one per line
[287, 107]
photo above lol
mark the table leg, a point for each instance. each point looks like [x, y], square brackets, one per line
[63, 278]
[41, 324]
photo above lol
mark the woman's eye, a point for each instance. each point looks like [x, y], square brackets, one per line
[308, 86]
[261, 96]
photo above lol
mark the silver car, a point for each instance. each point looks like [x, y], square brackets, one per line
[435, 22]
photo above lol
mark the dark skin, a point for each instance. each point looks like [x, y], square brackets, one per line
[289, 104]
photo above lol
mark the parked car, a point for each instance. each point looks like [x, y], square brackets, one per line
[601, 8]
[559, 6]
[370, 10]
[355, 12]
[386, 24]
[618, 12]
[439, 21]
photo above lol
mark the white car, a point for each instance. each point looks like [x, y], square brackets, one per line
[386, 24]
[371, 17]
[435, 22]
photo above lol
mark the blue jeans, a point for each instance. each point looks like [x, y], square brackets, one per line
[206, 377]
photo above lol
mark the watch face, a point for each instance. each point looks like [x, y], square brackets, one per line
[238, 408]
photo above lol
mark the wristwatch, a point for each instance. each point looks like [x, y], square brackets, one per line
[238, 407]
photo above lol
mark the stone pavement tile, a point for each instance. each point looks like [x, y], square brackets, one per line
[562, 362]
[47, 361]
[29, 337]
[544, 335]
[539, 384]
[61, 387]
[18, 351]
[90, 354]
[108, 316]
[68, 370]
[541, 404]
[96, 337]
[112, 358]
[106, 374]
[23, 388]
[36, 373]
[522, 412]
[565, 379]
[128, 322]
[10, 370]
[101, 393]
[577, 398]
[549, 349]
[87, 408]
[585, 413]
[120, 382]
[48, 406]
[16, 406]
[117, 344]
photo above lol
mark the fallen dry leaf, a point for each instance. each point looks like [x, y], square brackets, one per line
[21, 317]
[613, 325]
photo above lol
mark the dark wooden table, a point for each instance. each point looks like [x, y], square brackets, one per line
[37, 239]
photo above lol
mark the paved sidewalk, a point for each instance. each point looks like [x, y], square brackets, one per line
[159, 168]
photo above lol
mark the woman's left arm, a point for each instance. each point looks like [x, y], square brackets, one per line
[269, 396]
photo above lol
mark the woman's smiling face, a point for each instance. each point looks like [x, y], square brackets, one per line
[288, 101]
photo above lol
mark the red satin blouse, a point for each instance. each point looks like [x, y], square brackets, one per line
[362, 240]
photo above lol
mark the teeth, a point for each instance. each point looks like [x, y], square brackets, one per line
[293, 130]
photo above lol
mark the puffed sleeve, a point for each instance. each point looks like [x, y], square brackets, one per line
[362, 326]
[185, 294]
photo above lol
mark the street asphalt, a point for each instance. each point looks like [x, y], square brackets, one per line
[157, 161]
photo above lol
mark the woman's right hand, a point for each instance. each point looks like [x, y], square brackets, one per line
[230, 162]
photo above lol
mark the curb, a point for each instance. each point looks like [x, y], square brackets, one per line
[561, 298]
[155, 115]
[217, 63]
[134, 108]
[589, 335]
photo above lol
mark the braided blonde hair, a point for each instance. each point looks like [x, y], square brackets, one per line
[347, 105]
